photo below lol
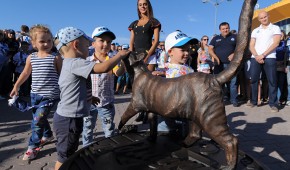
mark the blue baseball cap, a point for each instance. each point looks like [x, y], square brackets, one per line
[68, 34]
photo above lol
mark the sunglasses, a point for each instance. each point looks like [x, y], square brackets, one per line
[204, 39]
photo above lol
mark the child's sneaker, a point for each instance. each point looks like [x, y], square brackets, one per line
[30, 154]
[45, 140]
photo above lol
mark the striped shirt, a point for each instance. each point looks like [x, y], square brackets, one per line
[44, 76]
[103, 85]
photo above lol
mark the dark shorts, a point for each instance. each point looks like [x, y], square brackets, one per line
[67, 131]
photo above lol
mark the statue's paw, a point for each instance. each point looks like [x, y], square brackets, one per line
[129, 128]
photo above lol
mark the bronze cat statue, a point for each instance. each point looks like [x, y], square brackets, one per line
[200, 103]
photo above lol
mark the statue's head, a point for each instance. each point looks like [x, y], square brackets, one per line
[136, 58]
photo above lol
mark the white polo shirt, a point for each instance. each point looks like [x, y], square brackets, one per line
[264, 39]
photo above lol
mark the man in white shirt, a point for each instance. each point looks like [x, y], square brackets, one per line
[264, 40]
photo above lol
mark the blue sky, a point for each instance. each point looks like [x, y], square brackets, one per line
[191, 16]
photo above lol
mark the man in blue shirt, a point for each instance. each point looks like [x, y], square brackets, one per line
[222, 47]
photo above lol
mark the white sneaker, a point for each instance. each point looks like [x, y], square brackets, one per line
[288, 103]
[31, 154]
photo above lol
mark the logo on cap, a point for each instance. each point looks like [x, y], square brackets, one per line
[180, 35]
[103, 29]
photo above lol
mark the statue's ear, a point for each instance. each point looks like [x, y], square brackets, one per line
[134, 57]
[140, 56]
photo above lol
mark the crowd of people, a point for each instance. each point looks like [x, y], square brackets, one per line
[82, 74]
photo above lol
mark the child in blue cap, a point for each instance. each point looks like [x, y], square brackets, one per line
[177, 48]
[102, 86]
[74, 79]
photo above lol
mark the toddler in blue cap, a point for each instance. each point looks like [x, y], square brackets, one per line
[74, 84]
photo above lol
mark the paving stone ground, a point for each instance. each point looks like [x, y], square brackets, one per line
[263, 135]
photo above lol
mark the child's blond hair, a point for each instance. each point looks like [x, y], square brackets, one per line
[38, 28]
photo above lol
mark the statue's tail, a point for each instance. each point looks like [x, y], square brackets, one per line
[243, 38]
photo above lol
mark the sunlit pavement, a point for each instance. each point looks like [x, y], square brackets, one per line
[263, 135]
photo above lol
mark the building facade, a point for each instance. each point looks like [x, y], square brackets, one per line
[279, 15]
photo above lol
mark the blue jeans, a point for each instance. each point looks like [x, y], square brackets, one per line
[124, 80]
[107, 114]
[170, 125]
[270, 69]
[39, 125]
[288, 83]
[166, 124]
[231, 86]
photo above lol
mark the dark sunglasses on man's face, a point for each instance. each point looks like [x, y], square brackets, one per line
[205, 39]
